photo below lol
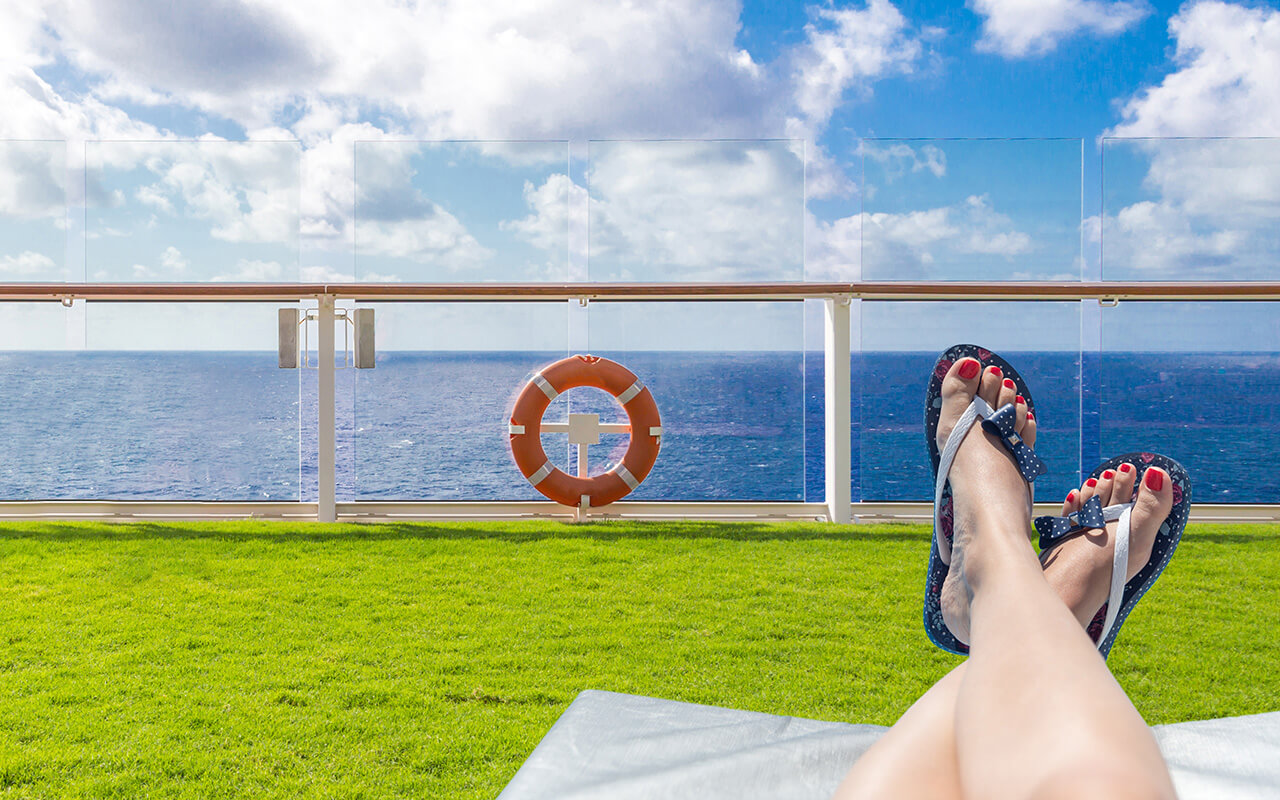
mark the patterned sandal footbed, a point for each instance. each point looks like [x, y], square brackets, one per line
[934, 625]
[1167, 538]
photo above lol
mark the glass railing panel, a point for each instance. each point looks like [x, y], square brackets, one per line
[430, 420]
[1190, 210]
[1196, 382]
[33, 212]
[39, 356]
[462, 212]
[729, 382]
[971, 209]
[166, 402]
[901, 342]
[696, 211]
[189, 212]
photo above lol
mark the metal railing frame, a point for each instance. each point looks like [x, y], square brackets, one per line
[836, 297]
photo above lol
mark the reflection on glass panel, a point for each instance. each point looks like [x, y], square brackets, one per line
[1196, 382]
[431, 417]
[900, 344]
[696, 211]
[975, 210]
[1191, 209]
[462, 212]
[33, 212]
[160, 212]
[728, 379]
[172, 402]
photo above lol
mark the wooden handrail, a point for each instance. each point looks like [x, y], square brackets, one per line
[517, 292]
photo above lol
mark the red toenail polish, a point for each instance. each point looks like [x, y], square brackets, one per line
[1008, 384]
[1071, 497]
[1126, 469]
[1108, 474]
[996, 372]
[969, 368]
[1020, 400]
[1155, 481]
[1092, 482]
[1031, 415]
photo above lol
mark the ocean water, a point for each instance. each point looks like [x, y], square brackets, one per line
[739, 426]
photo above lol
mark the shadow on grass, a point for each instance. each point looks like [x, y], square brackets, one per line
[527, 531]
[521, 531]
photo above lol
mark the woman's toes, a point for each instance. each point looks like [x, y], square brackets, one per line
[1028, 431]
[1150, 508]
[1008, 393]
[992, 380]
[1122, 489]
[1088, 489]
[1072, 503]
[958, 388]
[1105, 482]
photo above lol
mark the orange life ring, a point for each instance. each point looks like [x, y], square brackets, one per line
[525, 429]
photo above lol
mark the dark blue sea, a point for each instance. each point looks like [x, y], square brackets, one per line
[739, 426]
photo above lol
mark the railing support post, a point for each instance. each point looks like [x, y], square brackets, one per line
[837, 395]
[327, 511]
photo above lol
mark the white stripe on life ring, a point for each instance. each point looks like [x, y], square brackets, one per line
[630, 394]
[543, 471]
[654, 430]
[627, 477]
[514, 429]
[546, 387]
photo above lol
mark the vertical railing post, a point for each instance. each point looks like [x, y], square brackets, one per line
[837, 395]
[327, 511]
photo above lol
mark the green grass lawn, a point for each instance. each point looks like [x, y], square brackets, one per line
[426, 661]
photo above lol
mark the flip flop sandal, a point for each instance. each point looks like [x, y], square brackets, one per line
[999, 422]
[1092, 516]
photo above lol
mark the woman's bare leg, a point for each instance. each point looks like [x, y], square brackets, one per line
[918, 756]
[1038, 714]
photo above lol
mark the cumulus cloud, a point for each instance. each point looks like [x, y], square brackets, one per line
[1210, 207]
[847, 49]
[330, 73]
[255, 271]
[932, 242]
[1212, 210]
[1227, 81]
[248, 192]
[833, 249]
[690, 211]
[27, 265]
[1022, 28]
[549, 224]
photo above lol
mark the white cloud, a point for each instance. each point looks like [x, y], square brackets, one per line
[1228, 78]
[899, 158]
[846, 50]
[27, 264]
[33, 180]
[172, 260]
[437, 239]
[1021, 28]
[1209, 207]
[833, 250]
[327, 274]
[1211, 210]
[329, 73]
[928, 242]
[255, 271]
[696, 211]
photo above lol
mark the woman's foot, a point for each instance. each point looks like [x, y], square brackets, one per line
[990, 499]
[1079, 568]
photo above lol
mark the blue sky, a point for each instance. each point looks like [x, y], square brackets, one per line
[829, 141]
